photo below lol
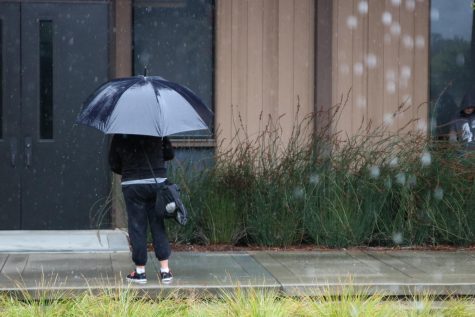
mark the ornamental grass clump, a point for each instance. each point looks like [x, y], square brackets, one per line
[375, 188]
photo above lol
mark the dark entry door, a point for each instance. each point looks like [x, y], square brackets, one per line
[53, 173]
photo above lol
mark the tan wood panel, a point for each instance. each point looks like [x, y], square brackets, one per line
[286, 65]
[406, 64]
[223, 81]
[311, 60]
[395, 69]
[303, 60]
[239, 65]
[391, 66]
[123, 38]
[324, 63]
[420, 107]
[360, 69]
[270, 59]
[270, 47]
[344, 54]
[376, 87]
[255, 64]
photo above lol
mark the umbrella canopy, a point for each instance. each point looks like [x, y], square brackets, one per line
[145, 105]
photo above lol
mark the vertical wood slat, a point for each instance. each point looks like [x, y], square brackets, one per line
[303, 55]
[239, 66]
[345, 65]
[309, 107]
[223, 83]
[324, 62]
[420, 107]
[255, 67]
[406, 64]
[360, 70]
[376, 77]
[391, 68]
[270, 59]
[335, 78]
[123, 38]
[285, 64]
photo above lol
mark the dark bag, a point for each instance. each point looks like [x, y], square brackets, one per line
[168, 203]
[167, 148]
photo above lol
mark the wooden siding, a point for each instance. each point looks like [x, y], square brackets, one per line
[380, 63]
[264, 65]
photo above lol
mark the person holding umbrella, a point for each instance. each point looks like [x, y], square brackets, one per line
[463, 124]
[141, 162]
[141, 112]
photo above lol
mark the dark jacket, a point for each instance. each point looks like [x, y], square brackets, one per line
[464, 124]
[134, 156]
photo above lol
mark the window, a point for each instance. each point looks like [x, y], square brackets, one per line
[46, 79]
[452, 60]
[1, 79]
[174, 40]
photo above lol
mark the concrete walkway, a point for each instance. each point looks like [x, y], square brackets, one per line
[294, 273]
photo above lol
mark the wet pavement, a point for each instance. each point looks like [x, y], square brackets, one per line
[295, 273]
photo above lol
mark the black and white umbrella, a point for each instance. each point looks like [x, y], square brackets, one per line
[145, 105]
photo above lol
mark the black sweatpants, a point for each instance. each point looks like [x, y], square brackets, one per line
[140, 204]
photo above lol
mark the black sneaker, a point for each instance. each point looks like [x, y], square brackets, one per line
[137, 278]
[166, 277]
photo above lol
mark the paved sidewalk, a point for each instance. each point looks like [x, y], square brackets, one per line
[294, 273]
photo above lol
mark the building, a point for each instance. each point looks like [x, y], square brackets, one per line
[247, 59]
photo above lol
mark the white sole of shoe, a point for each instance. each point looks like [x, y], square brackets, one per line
[136, 281]
[167, 280]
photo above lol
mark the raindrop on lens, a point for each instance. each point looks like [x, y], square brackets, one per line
[396, 3]
[395, 29]
[352, 22]
[388, 183]
[314, 179]
[388, 118]
[401, 178]
[420, 41]
[397, 238]
[361, 102]
[371, 60]
[363, 7]
[394, 162]
[391, 87]
[434, 14]
[387, 18]
[298, 192]
[426, 158]
[358, 69]
[390, 75]
[408, 41]
[422, 125]
[438, 193]
[411, 181]
[418, 305]
[406, 72]
[460, 59]
[374, 171]
[344, 69]
[410, 5]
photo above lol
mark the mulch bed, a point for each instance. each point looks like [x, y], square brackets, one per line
[227, 248]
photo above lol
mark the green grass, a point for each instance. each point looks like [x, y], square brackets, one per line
[241, 302]
[377, 188]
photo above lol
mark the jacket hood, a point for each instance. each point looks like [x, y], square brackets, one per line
[468, 101]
